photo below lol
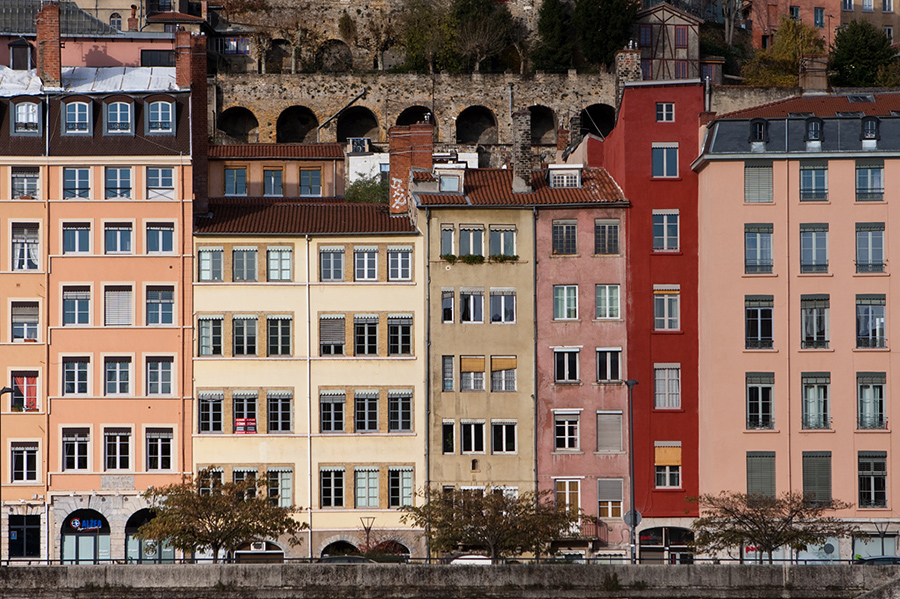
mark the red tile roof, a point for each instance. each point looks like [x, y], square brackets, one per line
[262, 201]
[310, 151]
[418, 175]
[493, 186]
[821, 106]
[301, 219]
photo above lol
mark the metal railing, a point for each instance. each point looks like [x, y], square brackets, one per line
[871, 422]
[760, 343]
[871, 342]
[816, 422]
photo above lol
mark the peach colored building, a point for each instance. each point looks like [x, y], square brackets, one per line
[796, 287]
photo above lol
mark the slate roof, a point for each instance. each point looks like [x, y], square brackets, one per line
[822, 106]
[17, 18]
[302, 219]
[309, 151]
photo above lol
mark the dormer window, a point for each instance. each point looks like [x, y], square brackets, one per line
[869, 128]
[565, 179]
[78, 117]
[450, 183]
[27, 119]
[161, 118]
[814, 130]
[118, 117]
[758, 131]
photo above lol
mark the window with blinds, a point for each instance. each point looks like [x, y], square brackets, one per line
[25, 318]
[609, 496]
[761, 473]
[757, 182]
[609, 431]
[332, 334]
[817, 476]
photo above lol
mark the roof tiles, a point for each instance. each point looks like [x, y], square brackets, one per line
[822, 106]
[310, 151]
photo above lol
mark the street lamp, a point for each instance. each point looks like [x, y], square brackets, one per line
[633, 513]
[367, 522]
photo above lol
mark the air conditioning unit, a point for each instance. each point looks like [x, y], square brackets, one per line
[258, 546]
[359, 145]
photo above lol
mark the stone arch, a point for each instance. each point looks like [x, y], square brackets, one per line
[476, 125]
[296, 124]
[357, 121]
[339, 547]
[138, 551]
[239, 123]
[85, 537]
[418, 114]
[334, 56]
[543, 125]
[392, 547]
[598, 119]
[278, 57]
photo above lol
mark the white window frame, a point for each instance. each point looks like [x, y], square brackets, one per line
[365, 264]
[475, 430]
[566, 430]
[609, 357]
[667, 376]
[162, 369]
[399, 264]
[160, 183]
[279, 264]
[565, 302]
[664, 150]
[565, 375]
[610, 307]
[665, 242]
[666, 307]
[665, 112]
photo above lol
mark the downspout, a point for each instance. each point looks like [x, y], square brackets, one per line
[45, 454]
[187, 319]
[534, 369]
[309, 486]
[427, 368]
[787, 251]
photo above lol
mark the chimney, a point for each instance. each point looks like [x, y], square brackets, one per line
[49, 50]
[575, 135]
[410, 146]
[200, 121]
[182, 58]
[132, 20]
[522, 160]
[814, 73]
[422, 145]
[204, 10]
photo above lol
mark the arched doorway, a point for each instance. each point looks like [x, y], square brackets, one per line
[666, 544]
[143, 552]
[85, 538]
[598, 119]
[543, 126]
[476, 125]
[340, 548]
[357, 121]
[259, 552]
[239, 124]
[334, 57]
[296, 124]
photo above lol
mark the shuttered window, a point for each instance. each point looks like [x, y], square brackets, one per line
[817, 476]
[609, 496]
[609, 431]
[117, 306]
[757, 182]
[761, 473]
[331, 335]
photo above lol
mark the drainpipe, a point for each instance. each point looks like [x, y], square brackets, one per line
[309, 459]
[45, 454]
[428, 366]
[534, 371]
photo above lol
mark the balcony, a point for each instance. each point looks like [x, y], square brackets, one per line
[870, 267]
[760, 422]
[816, 422]
[759, 343]
[869, 195]
[813, 343]
[871, 423]
[813, 267]
[813, 195]
[753, 267]
[870, 342]
[588, 530]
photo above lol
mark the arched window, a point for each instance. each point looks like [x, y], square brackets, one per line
[813, 129]
[118, 117]
[115, 21]
[161, 118]
[27, 119]
[869, 128]
[758, 130]
[78, 117]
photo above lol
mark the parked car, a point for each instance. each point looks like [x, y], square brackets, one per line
[343, 559]
[471, 560]
[878, 560]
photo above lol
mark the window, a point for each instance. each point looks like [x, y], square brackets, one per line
[160, 305]
[25, 391]
[646, 33]
[75, 376]
[565, 179]
[400, 334]
[159, 449]
[814, 333]
[565, 302]
[278, 411]
[869, 180]
[449, 183]
[159, 376]
[606, 236]
[331, 411]
[872, 479]
[503, 437]
[447, 437]
[565, 237]
[609, 432]
[819, 14]
[447, 373]
[310, 182]
[117, 450]
[568, 494]
[666, 308]
[870, 321]
[447, 305]
[565, 365]
[503, 373]
[118, 117]
[76, 305]
[244, 409]
[816, 413]
[757, 182]
[331, 335]
[758, 248]
[668, 477]
[869, 131]
[210, 338]
[681, 32]
[503, 306]
[795, 12]
[606, 301]
[814, 130]
[117, 238]
[609, 496]
[235, 181]
[447, 232]
[366, 411]
[665, 112]
[471, 372]
[209, 264]
[400, 487]
[331, 264]
[472, 436]
[846, 4]
[331, 487]
[25, 182]
[664, 160]
[25, 319]
[76, 183]
[365, 333]
[244, 329]
[115, 21]
[646, 69]
[117, 376]
[28, 119]
[399, 411]
[24, 534]
[160, 238]
[278, 336]
[761, 473]
[244, 264]
[609, 364]
[667, 386]
[870, 413]
[814, 248]
[471, 305]
[76, 442]
[24, 463]
[210, 416]
[760, 413]
[76, 238]
[399, 264]
[565, 426]
[25, 246]
[161, 118]
[160, 183]
[157, 58]
[366, 487]
[665, 231]
[365, 263]
[280, 486]
[813, 181]
[887, 5]
[502, 241]
[77, 117]
[889, 29]
[868, 5]
[272, 182]
[817, 476]
[471, 241]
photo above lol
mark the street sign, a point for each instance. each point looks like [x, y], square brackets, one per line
[632, 515]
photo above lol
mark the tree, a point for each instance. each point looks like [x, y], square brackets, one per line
[368, 190]
[494, 519]
[732, 520]
[603, 27]
[730, 11]
[428, 32]
[779, 65]
[208, 514]
[485, 28]
[858, 52]
[556, 38]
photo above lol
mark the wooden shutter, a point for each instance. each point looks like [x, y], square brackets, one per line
[471, 364]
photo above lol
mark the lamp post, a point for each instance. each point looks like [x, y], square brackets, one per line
[367, 522]
[632, 521]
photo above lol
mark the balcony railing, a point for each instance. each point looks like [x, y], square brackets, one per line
[816, 422]
[759, 343]
[813, 195]
[757, 266]
[871, 422]
[871, 342]
[870, 267]
[588, 530]
[812, 343]
[813, 267]
[762, 422]
[869, 195]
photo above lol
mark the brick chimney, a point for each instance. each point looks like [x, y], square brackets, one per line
[522, 155]
[814, 73]
[410, 146]
[132, 20]
[199, 121]
[182, 58]
[49, 50]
